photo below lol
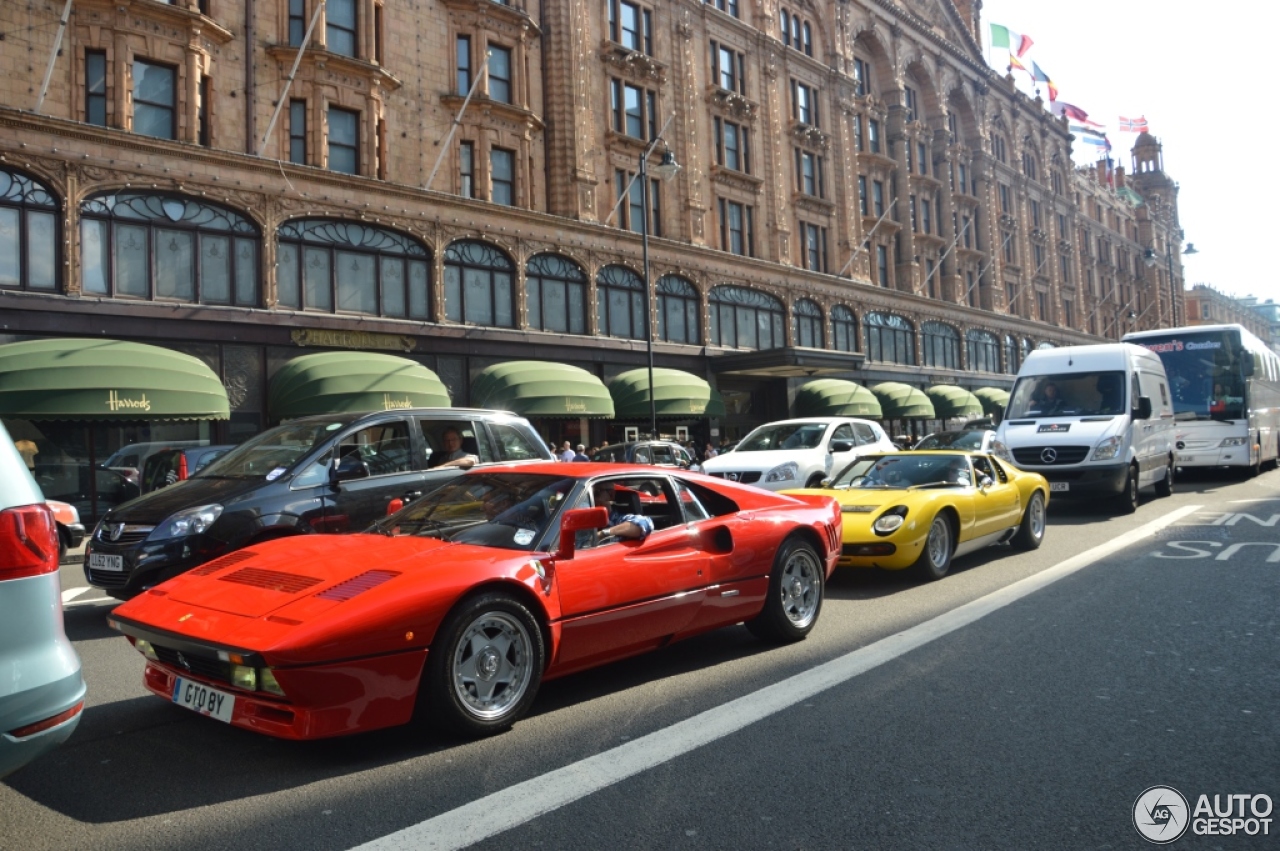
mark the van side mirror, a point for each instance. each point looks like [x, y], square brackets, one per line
[1144, 408]
[1251, 364]
[841, 445]
[352, 466]
[579, 520]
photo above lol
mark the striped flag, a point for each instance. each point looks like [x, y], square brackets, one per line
[1010, 40]
[1134, 125]
[1038, 74]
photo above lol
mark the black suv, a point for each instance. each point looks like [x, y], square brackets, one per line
[660, 453]
[335, 473]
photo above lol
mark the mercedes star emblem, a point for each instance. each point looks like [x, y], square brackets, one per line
[1048, 455]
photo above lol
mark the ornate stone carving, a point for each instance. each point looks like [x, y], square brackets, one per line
[732, 104]
[810, 136]
[633, 63]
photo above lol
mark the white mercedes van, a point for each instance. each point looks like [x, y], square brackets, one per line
[1094, 421]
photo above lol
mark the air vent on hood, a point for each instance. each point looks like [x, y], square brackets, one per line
[226, 561]
[357, 585]
[272, 580]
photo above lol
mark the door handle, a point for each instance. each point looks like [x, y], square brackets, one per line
[411, 495]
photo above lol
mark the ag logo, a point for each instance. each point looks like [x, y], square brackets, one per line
[1161, 814]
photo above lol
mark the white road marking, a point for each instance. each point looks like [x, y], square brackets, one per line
[1267, 499]
[538, 796]
[72, 593]
[94, 601]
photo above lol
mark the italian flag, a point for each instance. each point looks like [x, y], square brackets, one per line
[1010, 40]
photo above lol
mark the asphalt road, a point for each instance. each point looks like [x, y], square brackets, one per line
[1026, 701]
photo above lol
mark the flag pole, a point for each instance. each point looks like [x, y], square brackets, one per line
[867, 239]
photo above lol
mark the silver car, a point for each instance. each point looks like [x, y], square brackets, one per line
[41, 690]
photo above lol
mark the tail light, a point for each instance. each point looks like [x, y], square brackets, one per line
[28, 542]
[182, 466]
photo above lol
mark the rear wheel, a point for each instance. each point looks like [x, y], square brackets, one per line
[484, 667]
[1127, 502]
[1164, 487]
[1031, 532]
[794, 599]
[935, 557]
[815, 481]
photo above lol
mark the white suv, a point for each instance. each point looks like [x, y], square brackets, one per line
[798, 453]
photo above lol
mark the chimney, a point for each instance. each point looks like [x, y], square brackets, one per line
[1119, 177]
[1102, 172]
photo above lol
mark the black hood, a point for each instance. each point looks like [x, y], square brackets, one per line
[154, 507]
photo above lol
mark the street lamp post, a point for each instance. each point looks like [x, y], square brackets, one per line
[665, 170]
[1149, 257]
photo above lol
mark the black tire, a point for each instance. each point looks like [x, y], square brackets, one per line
[935, 556]
[1127, 502]
[1164, 487]
[480, 692]
[815, 481]
[63, 544]
[1030, 534]
[794, 600]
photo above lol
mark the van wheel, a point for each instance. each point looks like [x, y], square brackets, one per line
[1127, 503]
[1164, 487]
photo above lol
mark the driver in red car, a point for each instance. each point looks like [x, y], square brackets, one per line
[622, 524]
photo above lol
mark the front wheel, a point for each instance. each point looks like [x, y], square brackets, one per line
[1164, 487]
[794, 598]
[1127, 502]
[1030, 533]
[935, 556]
[485, 666]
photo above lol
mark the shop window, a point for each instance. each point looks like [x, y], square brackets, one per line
[556, 294]
[737, 227]
[982, 351]
[29, 253]
[807, 324]
[844, 329]
[889, 339]
[620, 303]
[479, 285]
[940, 345]
[168, 248]
[678, 311]
[745, 318]
[348, 267]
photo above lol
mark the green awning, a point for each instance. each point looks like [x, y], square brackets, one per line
[72, 379]
[835, 397]
[542, 389]
[952, 402]
[677, 395]
[341, 381]
[903, 402]
[994, 400]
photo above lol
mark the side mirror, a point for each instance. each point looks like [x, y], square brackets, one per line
[1144, 408]
[825, 484]
[394, 505]
[578, 520]
[350, 467]
[841, 445]
[985, 482]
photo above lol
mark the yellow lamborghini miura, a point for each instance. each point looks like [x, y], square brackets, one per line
[919, 510]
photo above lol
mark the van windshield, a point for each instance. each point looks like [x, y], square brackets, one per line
[1070, 394]
[276, 449]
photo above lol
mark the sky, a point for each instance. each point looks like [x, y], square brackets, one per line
[1203, 84]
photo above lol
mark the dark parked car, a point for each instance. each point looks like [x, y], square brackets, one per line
[169, 466]
[321, 474]
[41, 690]
[659, 453]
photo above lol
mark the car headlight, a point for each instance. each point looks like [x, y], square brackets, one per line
[144, 647]
[787, 472]
[1234, 441]
[189, 521]
[244, 677]
[890, 521]
[267, 682]
[1107, 449]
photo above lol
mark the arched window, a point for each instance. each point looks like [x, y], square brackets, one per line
[1046, 345]
[807, 324]
[479, 285]
[1011, 359]
[556, 294]
[620, 303]
[889, 338]
[347, 267]
[29, 254]
[844, 329]
[1024, 349]
[678, 311]
[940, 345]
[150, 245]
[743, 318]
[982, 351]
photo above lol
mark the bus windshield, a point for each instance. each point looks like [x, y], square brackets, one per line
[1205, 372]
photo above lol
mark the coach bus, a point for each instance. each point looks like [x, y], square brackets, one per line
[1226, 394]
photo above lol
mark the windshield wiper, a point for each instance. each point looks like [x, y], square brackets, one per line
[936, 484]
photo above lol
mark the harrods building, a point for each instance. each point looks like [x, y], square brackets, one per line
[452, 181]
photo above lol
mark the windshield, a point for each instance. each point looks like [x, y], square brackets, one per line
[275, 451]
[508, 510]
[1068, 394]
[888, 472]
[971, 439]
[1205, 373]
[783, 436]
